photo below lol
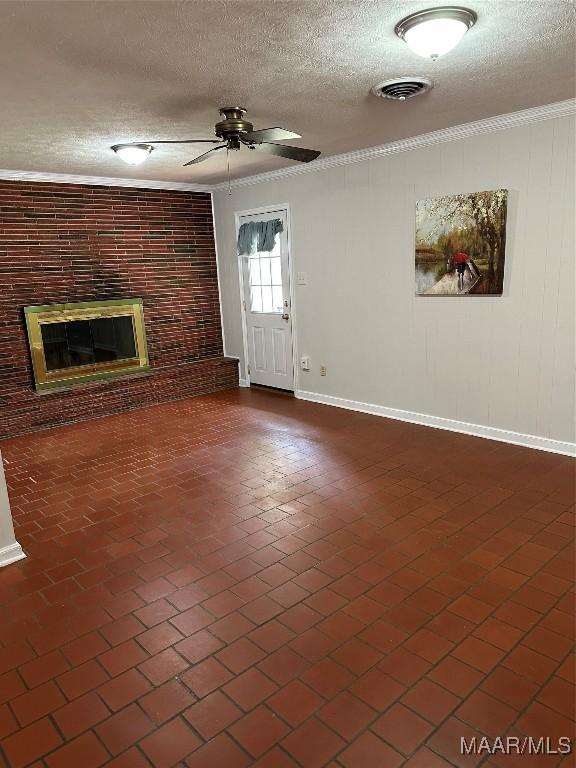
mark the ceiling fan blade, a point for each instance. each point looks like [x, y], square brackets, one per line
[270, 134]
[292, 153]
[205, 156]
[180, 141]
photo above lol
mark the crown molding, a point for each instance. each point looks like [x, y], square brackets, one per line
[464, 131]
[101, 181]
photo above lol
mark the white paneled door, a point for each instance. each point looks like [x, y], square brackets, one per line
[266, 286]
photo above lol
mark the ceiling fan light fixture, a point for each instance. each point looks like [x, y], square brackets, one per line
[133, 154]
[434, 32]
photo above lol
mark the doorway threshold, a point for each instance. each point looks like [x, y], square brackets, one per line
[277, 390]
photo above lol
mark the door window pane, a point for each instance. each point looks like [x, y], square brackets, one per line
[254, 271]
[267, 305]
[265, 275]
[265, 271]
[277, 298]
[256, 298]
[276, 271]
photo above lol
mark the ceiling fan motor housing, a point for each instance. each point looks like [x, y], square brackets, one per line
[233, 126]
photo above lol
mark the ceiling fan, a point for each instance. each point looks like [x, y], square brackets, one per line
[233, 132]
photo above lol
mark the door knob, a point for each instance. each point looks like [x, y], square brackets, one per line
[285, 316]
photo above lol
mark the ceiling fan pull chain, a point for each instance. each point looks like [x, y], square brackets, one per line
[228, 164]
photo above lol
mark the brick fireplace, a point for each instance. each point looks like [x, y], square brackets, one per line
[63, 243]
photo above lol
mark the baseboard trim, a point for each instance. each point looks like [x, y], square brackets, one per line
[11, 554]
[243, 383]
[476, 430]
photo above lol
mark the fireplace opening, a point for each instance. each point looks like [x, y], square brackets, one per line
[82, 342]
[88, 340]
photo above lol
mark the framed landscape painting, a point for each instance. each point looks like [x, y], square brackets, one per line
[461, 244]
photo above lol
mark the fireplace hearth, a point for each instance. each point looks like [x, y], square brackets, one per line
[73, 343]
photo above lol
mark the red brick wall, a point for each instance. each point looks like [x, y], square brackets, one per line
[67, 243]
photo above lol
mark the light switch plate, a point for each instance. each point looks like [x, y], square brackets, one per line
[301, 278]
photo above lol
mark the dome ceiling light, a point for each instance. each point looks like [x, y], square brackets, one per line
[133, 154]
[434, 32]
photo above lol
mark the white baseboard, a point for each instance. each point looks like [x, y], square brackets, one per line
[477, 430]
[243, 383]
[11, 554]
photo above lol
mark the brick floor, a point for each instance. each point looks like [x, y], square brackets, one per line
[245, 579]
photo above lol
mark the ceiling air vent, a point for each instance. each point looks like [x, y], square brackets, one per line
[402, 88]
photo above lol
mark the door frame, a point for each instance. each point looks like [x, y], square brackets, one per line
[265, 210]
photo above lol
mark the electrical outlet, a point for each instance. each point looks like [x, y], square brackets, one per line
[322, 370]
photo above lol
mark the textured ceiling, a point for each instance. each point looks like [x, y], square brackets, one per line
[76, 77]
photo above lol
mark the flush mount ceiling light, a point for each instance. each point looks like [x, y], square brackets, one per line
[434, 32]
[133, 154]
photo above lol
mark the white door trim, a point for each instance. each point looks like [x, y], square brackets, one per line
[265, 210]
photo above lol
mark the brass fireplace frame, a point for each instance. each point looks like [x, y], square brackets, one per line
[36, 316]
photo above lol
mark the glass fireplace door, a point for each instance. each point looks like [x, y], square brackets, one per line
[70, 343]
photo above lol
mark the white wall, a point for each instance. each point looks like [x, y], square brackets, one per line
[505, 362]
[10, 550]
